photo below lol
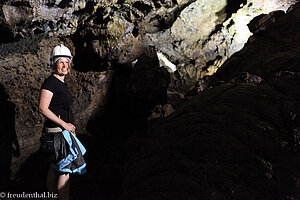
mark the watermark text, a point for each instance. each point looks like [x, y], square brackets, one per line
[24, 195]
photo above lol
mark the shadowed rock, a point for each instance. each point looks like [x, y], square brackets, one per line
[237, 139]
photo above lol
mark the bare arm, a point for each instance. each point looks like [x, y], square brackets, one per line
[45, 99]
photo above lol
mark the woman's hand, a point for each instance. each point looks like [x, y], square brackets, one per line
[45, 100]
[69, 127]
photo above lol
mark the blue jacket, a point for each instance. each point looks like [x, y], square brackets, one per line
[69, 153]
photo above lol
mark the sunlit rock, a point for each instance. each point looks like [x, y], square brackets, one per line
[206, 35]
[165, 62]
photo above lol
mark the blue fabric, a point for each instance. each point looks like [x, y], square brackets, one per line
[74, 152]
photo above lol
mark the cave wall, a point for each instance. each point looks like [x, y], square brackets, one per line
[238, 138]
[114, 44]
[197, 36]
[24, 66]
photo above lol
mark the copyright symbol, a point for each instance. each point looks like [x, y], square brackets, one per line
[2, 194]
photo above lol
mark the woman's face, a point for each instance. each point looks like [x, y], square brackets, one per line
[63, 66]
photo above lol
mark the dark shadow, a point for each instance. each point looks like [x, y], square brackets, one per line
[6, 35]
[90, 50]
[233, 6]
[133, 92]
[117, 131]
[144, 8]
[9, 145]
[115, 118]
[86, 58]
[31, 176]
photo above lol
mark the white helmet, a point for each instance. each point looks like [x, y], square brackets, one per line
[58, 52]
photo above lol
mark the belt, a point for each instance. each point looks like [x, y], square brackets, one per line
[53, 130]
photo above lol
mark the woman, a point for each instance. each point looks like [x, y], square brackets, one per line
[55, 105]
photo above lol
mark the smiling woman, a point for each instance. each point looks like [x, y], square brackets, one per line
[55, 105]
[62, 67]
[56, 100]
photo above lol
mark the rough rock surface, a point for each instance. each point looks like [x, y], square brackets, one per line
[24, 18]
[237, 139]
[117, 30]
[279, 45]
[109, 107]
[24, 66]
[212, 33]
[116, 80]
